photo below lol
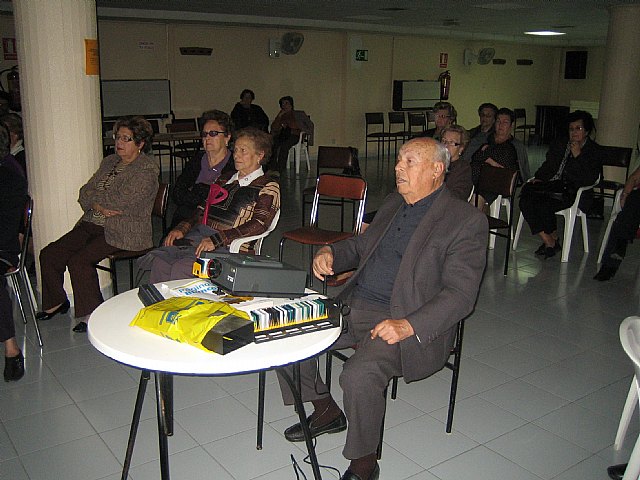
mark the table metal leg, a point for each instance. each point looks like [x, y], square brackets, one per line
[262, 378]
[137, 411]
[164, 411]
[297, 398]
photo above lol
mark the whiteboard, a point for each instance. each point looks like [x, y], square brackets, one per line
[151, 98]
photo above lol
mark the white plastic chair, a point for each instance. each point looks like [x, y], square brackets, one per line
[235, 245]
[615, 210]
[300, 148]
[570, 214]
[630, 340]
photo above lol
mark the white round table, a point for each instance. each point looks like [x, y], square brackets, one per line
[109, 332]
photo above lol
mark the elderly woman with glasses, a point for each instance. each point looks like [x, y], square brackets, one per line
[117, 203]
[192, 186]
[569, 165]
[444, 115]
[458, 179]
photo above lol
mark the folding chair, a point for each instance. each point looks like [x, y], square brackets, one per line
[337, 187]
[339, 160]
[19, 272]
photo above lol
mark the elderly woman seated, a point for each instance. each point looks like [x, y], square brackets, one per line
[117, 203]
[569, 165]
[252, 201]
[498, 151]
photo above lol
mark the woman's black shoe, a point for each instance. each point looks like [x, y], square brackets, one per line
[606, 273]
[13, 368]
[64, 308]
[81, 327]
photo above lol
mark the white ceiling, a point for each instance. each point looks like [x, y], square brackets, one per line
[585, 22]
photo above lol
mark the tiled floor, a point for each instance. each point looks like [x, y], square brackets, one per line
[543, 382]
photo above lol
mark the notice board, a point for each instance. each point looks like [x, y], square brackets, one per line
[150, 98]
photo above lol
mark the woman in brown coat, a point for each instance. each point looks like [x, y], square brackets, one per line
[117, 203]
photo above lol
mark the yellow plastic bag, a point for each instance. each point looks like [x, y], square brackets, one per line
[183, 319]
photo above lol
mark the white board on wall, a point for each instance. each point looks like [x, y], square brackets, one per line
[151, 98]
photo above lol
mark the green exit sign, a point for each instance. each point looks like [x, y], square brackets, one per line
[362, 55]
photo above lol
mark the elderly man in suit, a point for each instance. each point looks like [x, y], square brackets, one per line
[419, 267]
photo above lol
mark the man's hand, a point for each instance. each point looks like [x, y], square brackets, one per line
[323, 263]
[392, 331]
[172, 236]
[206, 245]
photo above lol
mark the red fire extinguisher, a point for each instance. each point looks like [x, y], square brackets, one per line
[445, 85]
[13, 79]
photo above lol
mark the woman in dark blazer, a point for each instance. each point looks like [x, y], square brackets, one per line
[569, 165]
[117, 203]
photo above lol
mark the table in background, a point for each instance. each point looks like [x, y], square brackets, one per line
[110, 333]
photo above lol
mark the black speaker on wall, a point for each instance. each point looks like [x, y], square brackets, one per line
[575, 65]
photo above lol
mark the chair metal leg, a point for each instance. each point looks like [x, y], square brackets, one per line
[114, 277]
[379, 449]
[327, 369]
[394, 388]
[31, 303]
[454, 377]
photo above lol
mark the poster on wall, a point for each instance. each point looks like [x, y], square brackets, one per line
[9, 48]
[92, 57]
[444, 59]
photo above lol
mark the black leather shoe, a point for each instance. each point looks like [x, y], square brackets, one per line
[64, 308]
[81, 327]
[13, 368]
[606, 273]
[541, 249]
[295, 434]
[617, 471]
[349, 475]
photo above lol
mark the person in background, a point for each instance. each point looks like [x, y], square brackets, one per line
[455, 138]
[247, 114]
[498, 151]
[13, 196]
[117, 203]
[285, 129]
[13, 122]
[487, 113]
[569, 165]
[623, 230]
[192, 186]
[444, 114]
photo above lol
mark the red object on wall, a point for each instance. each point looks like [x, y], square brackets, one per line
[445, 85]
[444, 59]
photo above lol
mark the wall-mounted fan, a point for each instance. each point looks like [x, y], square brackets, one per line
[291, 42]
[482, 58]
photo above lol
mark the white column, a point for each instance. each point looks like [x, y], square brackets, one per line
[61, 109]
[619, 113]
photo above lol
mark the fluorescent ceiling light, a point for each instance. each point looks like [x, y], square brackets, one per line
[545, 33]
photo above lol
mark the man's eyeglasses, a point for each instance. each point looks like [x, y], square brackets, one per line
[122, 138]
[449, 143]
[576, 129]
[211, 133]
[442, 115]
